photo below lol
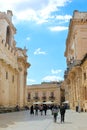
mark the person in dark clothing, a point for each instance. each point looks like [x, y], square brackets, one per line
[36, 109]
[31, 110]
[62, 112]
[26, 107]
[17, 108]
[45, 109]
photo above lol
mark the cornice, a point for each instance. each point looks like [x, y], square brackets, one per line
[42, 88]
[9, 66]
[78, 22]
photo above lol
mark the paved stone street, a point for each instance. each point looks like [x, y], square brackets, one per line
[24, 121]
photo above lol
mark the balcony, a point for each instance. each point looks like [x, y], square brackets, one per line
[51, 98]
[44, 98]
[36, 98]
[72, 64]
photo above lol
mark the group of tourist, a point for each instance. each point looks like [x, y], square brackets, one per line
[37, 108]
[56, 109]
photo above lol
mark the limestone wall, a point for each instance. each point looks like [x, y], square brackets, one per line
[13, 65]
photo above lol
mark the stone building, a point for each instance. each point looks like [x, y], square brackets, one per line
[46, 92]
[13, 65]
[76, 58]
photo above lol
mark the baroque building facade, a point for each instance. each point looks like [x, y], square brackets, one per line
[13, 65]
[76, 57]
[46, 92]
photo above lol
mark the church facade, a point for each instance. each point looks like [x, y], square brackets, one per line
[76, 58]
[13, 65]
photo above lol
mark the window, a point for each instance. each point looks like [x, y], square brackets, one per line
[29, 95]
[13, 79]
[44, 94]
[52, 94]
[6, 75]
[36, 94]
[8, 35]
[84, 76]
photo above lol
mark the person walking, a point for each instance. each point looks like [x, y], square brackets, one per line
[55, 113]
[41, 109]
[62, 112]
[31, 110]
[36, 109]
[45, 109]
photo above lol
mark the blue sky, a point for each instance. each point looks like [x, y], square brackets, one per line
[42, 26]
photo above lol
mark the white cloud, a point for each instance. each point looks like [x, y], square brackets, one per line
[58, 28]
[38, 52]
[55, 71]
[64, 18]
[35, 10]
[52, 78]
[28, 38]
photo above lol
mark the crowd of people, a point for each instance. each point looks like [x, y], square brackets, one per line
[55, 109]
[41, 108]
